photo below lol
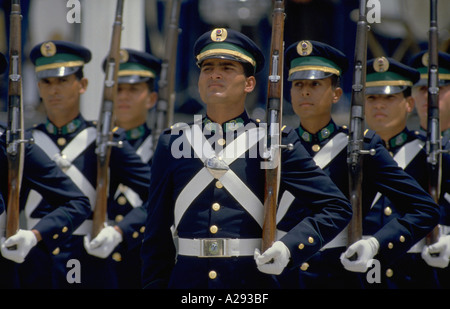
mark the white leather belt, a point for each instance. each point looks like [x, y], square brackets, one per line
[218, 247]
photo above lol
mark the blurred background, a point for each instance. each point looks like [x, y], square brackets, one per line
[402, 32]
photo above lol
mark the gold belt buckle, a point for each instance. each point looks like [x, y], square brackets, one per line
[212, 247]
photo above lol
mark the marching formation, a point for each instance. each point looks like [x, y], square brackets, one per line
[187, 208]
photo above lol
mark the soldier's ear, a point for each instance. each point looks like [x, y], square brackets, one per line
[410, 103]
[337, 94]
[83, 85]
[250, 84]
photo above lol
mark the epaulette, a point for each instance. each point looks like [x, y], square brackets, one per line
[368, 135]
[177, 126]
[285, 130]
[117, 131]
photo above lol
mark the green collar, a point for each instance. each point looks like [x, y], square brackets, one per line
[398, 140]
[323, 134]
[66, 129]
[228, 126]
[135, 133]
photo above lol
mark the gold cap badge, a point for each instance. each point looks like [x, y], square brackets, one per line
[381, 64]
[124, 56]
[425, 59]
[219, 34]
[48, 49]
[304, 48]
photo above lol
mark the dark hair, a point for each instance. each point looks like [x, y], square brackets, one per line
[335, 81]
[150, 84]
[249, 70]
[79, 74]
[407, 92]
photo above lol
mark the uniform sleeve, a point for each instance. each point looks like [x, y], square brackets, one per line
[69, 206]
[321, 210]
[128, 169]
[158, 251]
[419, 213]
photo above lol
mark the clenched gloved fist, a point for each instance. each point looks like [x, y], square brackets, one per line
[17, 247]
[104, 243]
[437, 254]
[365, 250]
[274, 259]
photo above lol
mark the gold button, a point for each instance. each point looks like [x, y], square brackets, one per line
[389, 273]
[301, 246]
[55, 236]
[135, 235]
[390, 245]
[390, 152]
[61, 141]
[388, 211]
[116, 257]
[213, 229]
[119, 218]
[216, 206]
[316, 148]
[65, 229]
[221, 141]
[219, 185]
[56, 251]
[212, 274]
[304, 266]
[142, 229]
[310, 239]
[122, 200]
[402, 238]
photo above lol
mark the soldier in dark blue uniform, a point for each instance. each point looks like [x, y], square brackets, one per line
[70, 140]
[437, 255]
[207, 186]
[67, 208]
[137, 94]
[314, 71]
[388, 105]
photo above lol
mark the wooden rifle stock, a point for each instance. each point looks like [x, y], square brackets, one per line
[166, 93]
[274, 120]
[356, 130]
[105, 124]
[15, 131]
[433, 143]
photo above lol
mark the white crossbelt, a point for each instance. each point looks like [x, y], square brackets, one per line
[203, 150]
[145, 152]
[322, 158]
[403, 157]
[68, 154]
[221, 247]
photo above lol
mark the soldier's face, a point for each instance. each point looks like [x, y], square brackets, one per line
[62, 94]
[133, 103]
[420, 95]
[224, 82]
[388, 112]
[314, 99]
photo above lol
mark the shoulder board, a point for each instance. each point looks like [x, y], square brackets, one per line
[286, 129]
[177, 126]
[368, 134]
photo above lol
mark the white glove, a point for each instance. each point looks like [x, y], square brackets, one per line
[22, 241]
[104, 243]
[365, 250]
[274, 259]
[437, 254]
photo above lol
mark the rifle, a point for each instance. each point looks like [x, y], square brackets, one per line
[166, 93]
[105, 124]
[15, 131]
[274, 112]
[356, 130]
[433, 142]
